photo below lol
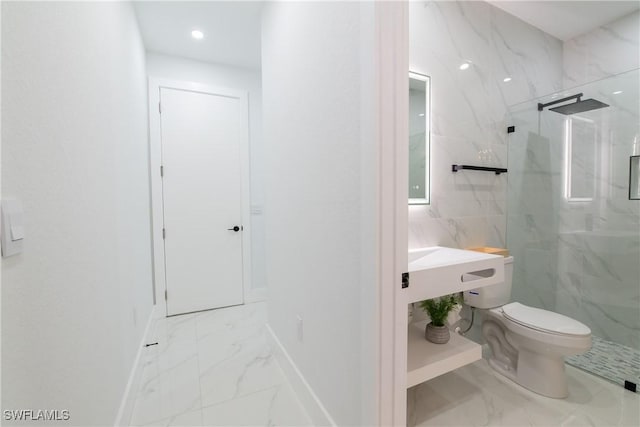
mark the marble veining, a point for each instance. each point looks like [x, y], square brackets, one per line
[603, 52]
[578, 258]
[214, 368]
[470, 112]
[475, 395]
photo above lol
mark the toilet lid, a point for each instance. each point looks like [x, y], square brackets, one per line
[544, 320]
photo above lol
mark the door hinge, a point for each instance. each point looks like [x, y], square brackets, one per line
[159, 108]
[165, 295]
[161, 170]
[164, 233]
[405, 280]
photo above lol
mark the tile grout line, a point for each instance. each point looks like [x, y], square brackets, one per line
[242, 397]
[176, 331]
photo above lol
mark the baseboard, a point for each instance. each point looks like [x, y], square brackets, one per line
[316, 410]
[128, 398]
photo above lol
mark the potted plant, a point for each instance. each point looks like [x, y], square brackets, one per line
[438, 310]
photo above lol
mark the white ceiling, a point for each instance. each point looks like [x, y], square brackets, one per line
[231, 30]
[567, 19]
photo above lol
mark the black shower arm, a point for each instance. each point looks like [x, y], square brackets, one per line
[548, 104]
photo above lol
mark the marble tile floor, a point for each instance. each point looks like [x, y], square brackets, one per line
[214, 368]
[475, 395]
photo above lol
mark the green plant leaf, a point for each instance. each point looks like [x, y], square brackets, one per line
[438, 309]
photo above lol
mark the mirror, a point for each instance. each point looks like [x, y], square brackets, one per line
[634, 178]
[419, 138]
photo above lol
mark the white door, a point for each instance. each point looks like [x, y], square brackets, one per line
[202, 196]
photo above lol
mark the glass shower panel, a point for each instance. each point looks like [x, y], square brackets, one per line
[573, 231]
[581, 141]
[534, 192]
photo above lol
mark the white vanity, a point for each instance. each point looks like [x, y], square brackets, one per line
[434, 272]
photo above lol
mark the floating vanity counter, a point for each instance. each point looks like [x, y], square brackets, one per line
[434, 272]
[438, 271]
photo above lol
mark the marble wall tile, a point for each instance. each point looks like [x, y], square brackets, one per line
[606, 51]
[619, 222]
[595, 278]
[462, 232]
[571, 257]
[598, 282]
[613, 323]
[529, 56]
[470, 112]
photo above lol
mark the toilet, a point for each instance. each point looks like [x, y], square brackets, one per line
[528, 344]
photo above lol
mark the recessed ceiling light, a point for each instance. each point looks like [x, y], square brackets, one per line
[506, 79]
[197, 34]
[464, 66]
[617, 92]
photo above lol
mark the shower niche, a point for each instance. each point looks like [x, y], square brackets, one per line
[634, 178]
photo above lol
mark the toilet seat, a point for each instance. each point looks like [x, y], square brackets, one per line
[543, 320]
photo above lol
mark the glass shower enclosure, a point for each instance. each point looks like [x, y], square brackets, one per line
[573, 223]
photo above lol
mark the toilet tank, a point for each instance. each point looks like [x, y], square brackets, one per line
[493, 295]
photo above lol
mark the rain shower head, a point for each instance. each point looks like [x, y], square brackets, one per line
[575, 107]
[579, 107]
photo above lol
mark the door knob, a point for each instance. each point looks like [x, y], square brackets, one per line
[235, 228]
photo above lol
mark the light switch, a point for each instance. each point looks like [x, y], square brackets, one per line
[12, 228]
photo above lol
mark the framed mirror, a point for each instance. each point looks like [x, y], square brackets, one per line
[634, 178]
[419, 138]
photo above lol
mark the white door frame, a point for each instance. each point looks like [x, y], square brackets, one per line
[392, 115]
[155, 161]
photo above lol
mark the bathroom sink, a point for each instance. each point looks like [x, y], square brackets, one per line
[438, 256]
[436, 271]
[416, 254]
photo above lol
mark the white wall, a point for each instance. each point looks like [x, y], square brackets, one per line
[470, 112]
[75, 152]
[219, 75]
[320, 182]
